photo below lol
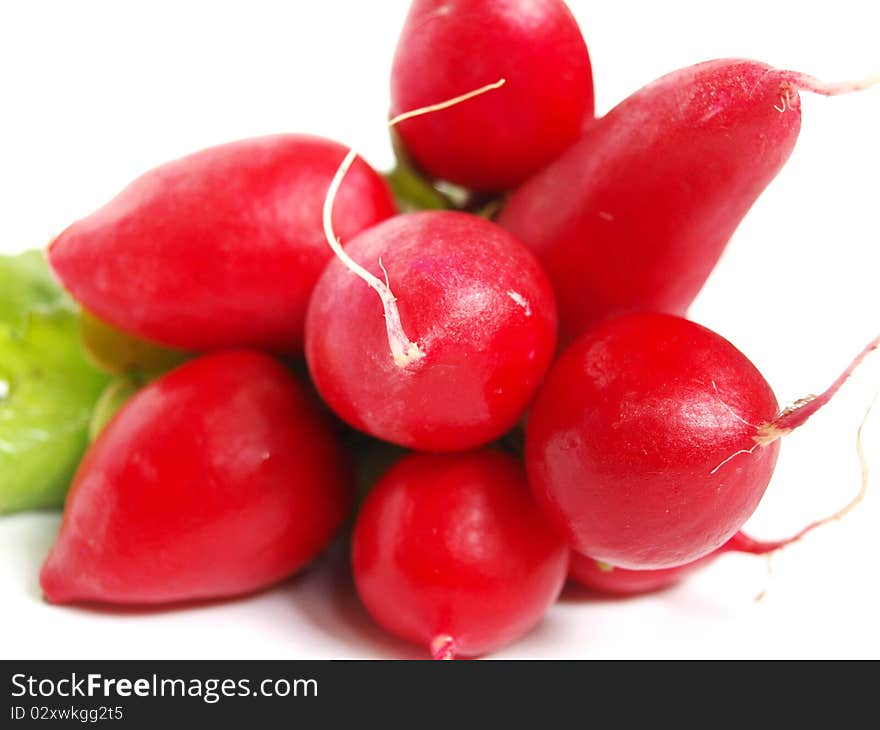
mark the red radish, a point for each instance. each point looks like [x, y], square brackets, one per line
[449, 551]
[483, 322]
[216, 479]
[449, 46]
[604, 578]
[636, 214]
[220, 248]
[653, 440]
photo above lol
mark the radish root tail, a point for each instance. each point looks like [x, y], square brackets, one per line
[443, 646]
[763, 593]
[792, 416]
[421, 111]
[797, 414]
[743, 543]
[805, 82]
[404, 351]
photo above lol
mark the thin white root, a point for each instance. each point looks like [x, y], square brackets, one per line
[786, 102]
[760, 597]
[863, 466]
[403, 350]
[384, 272]
[865, 473]
[741, 420]
[730, 410]
[394, 121]
[734, 455]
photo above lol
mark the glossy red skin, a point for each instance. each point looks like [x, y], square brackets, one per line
[215, 480]
[494, 142]
[454, 545]
[476, 302]
[220, 248]
[626, 431]
[635, 215]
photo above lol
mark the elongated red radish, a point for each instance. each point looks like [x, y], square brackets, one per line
[449, 46]
[653, 439]
[450, 552]
[635, 215]
[220, 248]
[217, 479]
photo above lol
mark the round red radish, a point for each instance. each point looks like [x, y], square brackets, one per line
[220, 248]
[603, 578]
[647, 444]
[216, 479]
[635, 215]
[448, 47]
[449, 551]
[480, 313]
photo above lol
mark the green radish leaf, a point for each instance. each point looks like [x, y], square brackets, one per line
[118, 352]
[47, 387]
[120, 390]
[27, 284]
[412, 192]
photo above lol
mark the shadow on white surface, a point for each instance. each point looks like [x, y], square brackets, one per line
[25, 545]
[335, 609]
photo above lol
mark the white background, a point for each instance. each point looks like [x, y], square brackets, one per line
[94, 93]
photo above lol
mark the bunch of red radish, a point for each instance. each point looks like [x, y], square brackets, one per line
[649, 440]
